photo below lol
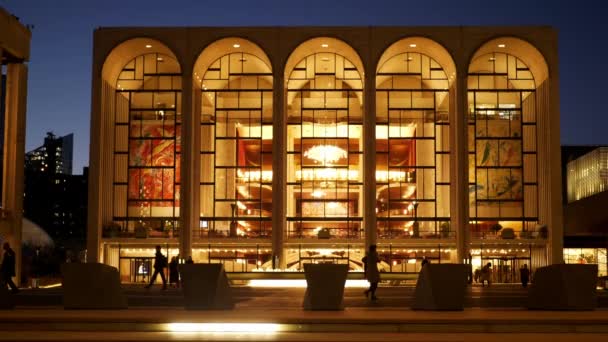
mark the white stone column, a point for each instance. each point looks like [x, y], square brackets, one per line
[369, 159]
[459, 165]
[548, 156]
[279, 170]
[190, 166]
[14, 158]
[99, 93]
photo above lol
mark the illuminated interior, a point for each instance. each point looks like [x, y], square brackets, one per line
[236, 142]
[324, 146]
[147, 135]
[412, 145]
[502, 116]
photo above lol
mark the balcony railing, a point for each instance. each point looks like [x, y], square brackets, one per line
[204, 233]
[509, 235]
[325, 233]
[139, 233]
[401, 234]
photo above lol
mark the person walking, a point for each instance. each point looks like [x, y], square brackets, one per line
[370, 265]
[160, 263]
[189, 260]
[7, 270]
[173, 272]
[486, 274]
[524, 275]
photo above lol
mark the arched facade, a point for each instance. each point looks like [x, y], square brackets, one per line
[309, 145]
[413, 116]
[505, 83]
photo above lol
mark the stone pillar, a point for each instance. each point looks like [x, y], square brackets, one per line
[369, 159]
[459, 165]
[190, 166]
[14, 158]
[279, 170]
[548, 156]
[101, 164]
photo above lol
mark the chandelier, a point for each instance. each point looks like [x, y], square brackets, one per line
[325, 153]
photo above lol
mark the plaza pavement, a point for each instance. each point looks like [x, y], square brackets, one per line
[492, 314]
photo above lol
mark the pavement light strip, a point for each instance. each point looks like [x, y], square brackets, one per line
[300, 283]
[262, 328]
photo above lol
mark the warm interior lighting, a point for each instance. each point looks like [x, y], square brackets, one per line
[327, 174]
[324, 45]
[501, 45]
[160, 59]
[413, 45]
[236, 45]
[148, 46]
[318, 193]
[325, 153]
[264, 328]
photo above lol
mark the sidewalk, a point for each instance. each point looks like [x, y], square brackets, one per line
[352, 324]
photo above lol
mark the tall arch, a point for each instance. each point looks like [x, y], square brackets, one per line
[507, 141]
[141, 101]
[234, 94]
[413, 80]
[324, 141]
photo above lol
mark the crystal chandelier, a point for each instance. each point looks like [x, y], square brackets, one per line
[325, 153]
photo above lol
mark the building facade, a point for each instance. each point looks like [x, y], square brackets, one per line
[53, 157]
[55, 199]
[585, 217]
[266, 148]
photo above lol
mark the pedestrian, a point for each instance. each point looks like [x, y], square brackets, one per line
[7, 270]
[425, 261]
[524, 275]
[189, 260]
[486, 274]
[160, 263]
[370, 264]
[173, 273]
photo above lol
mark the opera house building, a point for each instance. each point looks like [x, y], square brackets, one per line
[265, 148]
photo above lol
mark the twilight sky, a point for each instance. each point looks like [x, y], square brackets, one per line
[59, 85]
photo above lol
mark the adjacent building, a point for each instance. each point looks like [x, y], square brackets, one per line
[269, 147]
[55, 199]
[54, 157]
[585, 215]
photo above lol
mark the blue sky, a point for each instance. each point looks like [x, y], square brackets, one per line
[59, 85]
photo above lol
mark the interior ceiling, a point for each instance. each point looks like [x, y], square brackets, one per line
[521, 49]
[220, 48]
[323, 44]
[128, 50]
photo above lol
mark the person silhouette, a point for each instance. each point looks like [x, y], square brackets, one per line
[524, 275]
[160, 262]
[7, 270]
[370, 262]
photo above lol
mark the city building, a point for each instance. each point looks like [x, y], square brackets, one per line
[55, 199]
[14, 54]
[268, 147]
[585, 215]
[53, 157]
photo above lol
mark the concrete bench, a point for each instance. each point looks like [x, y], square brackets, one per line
[564, 287]
[205, 286]
[6, 298]
[441, 287]
[324, 286]
[92, 286]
